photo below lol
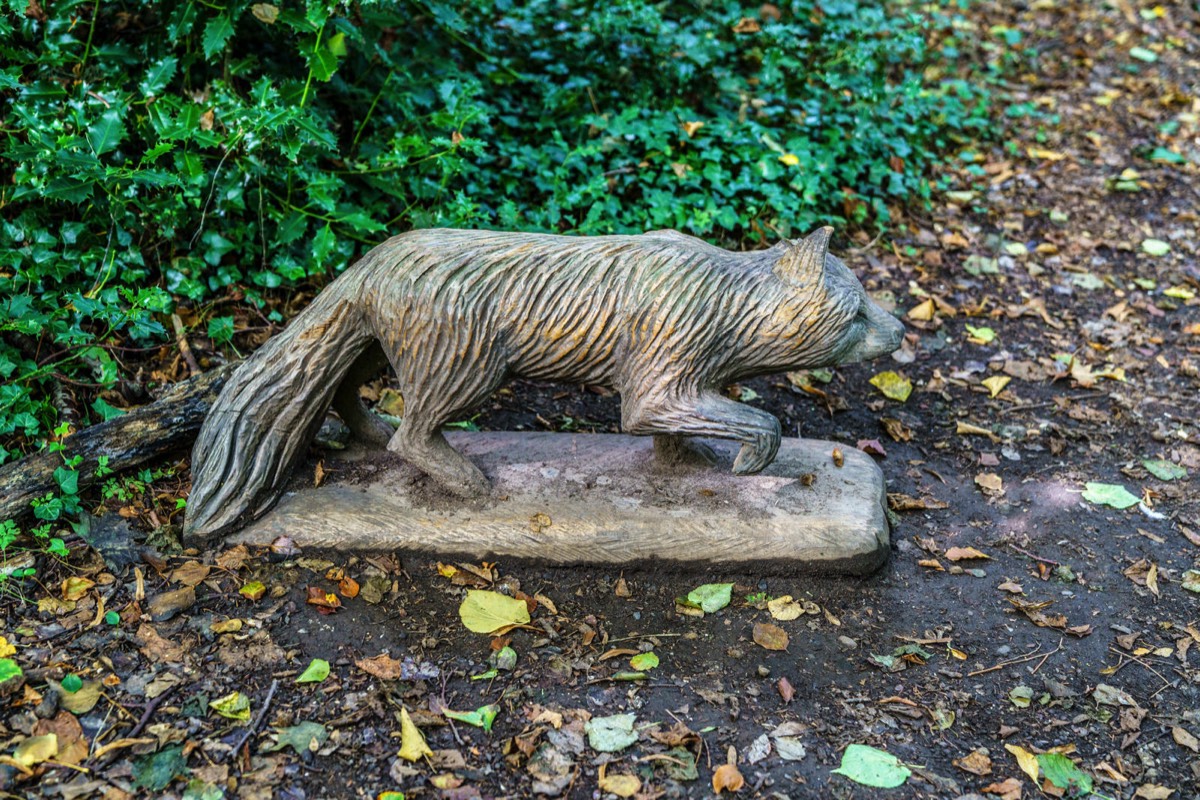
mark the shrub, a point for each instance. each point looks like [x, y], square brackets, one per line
[188, 151]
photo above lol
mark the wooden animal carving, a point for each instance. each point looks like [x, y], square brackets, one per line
[664, 318]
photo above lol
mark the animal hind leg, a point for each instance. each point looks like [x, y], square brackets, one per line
[438, 395]
[363, 424]
[705, 413]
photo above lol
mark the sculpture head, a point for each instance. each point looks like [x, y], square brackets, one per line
[840, 322]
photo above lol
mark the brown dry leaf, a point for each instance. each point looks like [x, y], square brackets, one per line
[896, 429]
[1184, 738]
[904, 502]
[191, 573]
[166, 605]
[381, 666]
[931, 563]
[976, 762]
[617, 652]
[348, 587]
[326, 602]
[1012, 587]
[785, 608]
[786, 690]
[155, 647]
[319, 473]
[74, 588]
[1008, 789]
[72, 746]
[726, 778]
[226, 626]
[967, 429]
[1152, 791]
[770, 637]
[234, 558]
[691, 127]
[747, 25]
[965, 554]
[991, 483]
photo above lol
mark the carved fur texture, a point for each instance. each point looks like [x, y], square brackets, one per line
[665, 319]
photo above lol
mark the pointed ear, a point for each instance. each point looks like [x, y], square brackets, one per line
[803, 263]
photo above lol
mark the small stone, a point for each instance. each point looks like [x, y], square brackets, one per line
[847, 642]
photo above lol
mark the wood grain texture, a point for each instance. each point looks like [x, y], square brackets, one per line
[665, 319]
[608, 501]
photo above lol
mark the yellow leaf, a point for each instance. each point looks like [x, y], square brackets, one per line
[36, 749]
[893, 386]
[791, 159]
[1045, 155]
[996, 383]
[234, 705]
[412, 742]
[6, 649]
[690, 128]
[75, 588]
[620, 785]
[447, 570]
[784, 608]
[484, 611]
[1026, 760]
[922, 312]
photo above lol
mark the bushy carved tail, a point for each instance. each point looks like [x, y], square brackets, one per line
[271, 409]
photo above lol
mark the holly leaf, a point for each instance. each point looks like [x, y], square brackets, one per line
[216, 34]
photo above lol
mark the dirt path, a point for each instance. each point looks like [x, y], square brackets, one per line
[1068, 628]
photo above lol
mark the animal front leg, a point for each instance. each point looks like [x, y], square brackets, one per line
[707, 414]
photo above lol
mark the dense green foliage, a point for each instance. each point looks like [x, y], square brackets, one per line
[186, 151]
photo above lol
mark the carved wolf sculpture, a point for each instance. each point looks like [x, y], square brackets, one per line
[665, 319]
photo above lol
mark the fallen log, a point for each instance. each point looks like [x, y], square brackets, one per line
[157, 429]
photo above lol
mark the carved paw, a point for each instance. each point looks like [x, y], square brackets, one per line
[756, 455]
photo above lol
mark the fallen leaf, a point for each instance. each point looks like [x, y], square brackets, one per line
[412, 742]
[893, 385]
[1026, 760]
[967, 429]
[711, 597]
[234, 705]
[976, 762]
[74, 588]
[611, 734]
[1109, 494]
[254, 590]
[1164, 470]
[622, 785]
[965, 554]
[785, 608]
[1184, 738]
[770, 637]
[381, 666]
[1008, 789]
[315, 672]
[996, 383]
[36, 749]
[871, 767]
[1152, 791]
[991, 483]
[485, 611]
[726, 778]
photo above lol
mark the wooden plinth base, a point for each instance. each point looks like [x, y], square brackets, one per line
[602, 499]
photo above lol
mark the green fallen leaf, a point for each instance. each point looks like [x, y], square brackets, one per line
[486, 676]
[711, 597]
[644, 661]
[483, 611]
[234, 705]
[1109, 494]
[1142, 54]
[1191, 580]
[1062, 772]
[1021, 696]
[202, 790]
[1016, 249]
[72, 683]
[300, 737]
[611, 734]
[983, 334]
[1164, 470]
[316, 672]
[871, 767]
[1156, 247]
[894, 386]
[156, 771]
[482, 717]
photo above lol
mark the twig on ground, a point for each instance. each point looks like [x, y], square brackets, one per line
[262, 714]
[1025, 552]
[1019, 660]
[185, 347]
[151, 707]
